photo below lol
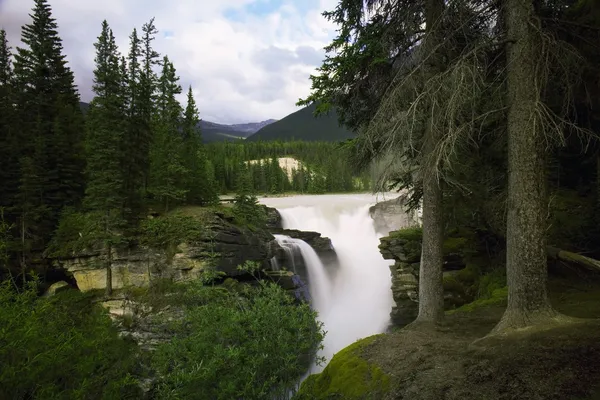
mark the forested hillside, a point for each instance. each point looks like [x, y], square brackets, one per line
[324, 167]
[303, 125]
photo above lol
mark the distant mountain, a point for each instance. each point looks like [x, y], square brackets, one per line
[303, 125]
[252, 127]
[213, 132]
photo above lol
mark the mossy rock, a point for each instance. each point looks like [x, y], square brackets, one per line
[497, 298]
[347, 376]
[409, 234]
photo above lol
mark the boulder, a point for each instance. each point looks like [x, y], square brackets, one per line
[274, 220]
[57, 287]
[391, 215]
[319, 243]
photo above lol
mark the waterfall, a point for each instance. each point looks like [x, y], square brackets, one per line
[320, 288]
[357, 300]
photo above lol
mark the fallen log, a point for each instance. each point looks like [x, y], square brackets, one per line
[569, 257]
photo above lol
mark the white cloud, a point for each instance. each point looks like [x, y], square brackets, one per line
[246, 59]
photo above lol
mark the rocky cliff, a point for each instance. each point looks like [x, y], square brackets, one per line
[404, 247]
[222, 247]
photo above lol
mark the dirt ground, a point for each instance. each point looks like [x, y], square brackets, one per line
[558, 362]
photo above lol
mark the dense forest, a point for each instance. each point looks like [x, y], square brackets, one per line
[324, 167]
[133, 149]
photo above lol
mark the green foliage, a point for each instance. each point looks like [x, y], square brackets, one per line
[170, 230]
[5, 240]
[570, 220]
[75, 233]
[409, 234]
[61, 347]
[200, 185]
[246, 209]
[497, 298]
[347, 376]
[167, 170]
[236, 345]
[41, 132]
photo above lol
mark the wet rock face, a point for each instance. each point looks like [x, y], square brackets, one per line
[391, 215]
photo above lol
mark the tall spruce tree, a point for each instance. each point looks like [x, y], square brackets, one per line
[105, 195]
[199, 184]
[49, 128]
[167, 170]
[133, 155]
[146, 102]
[8, 144]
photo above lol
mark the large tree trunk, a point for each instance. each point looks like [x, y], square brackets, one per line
[431, 292]
[526, 263]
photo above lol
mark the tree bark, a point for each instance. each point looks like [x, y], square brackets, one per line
[109, 270]
[108, 247]
[526, 262]
[431, 292]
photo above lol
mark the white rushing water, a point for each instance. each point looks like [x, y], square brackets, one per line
[357, 301]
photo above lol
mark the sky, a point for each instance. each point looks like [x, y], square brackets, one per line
[246, 60]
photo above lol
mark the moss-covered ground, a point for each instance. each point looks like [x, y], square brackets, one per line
[447, 362]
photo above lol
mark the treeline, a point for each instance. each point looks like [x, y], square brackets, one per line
[487, 112]
[136, 147]
[323, 167]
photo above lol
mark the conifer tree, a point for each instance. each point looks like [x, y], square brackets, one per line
[167, 171]
[199, 184]
[8, 146]
[133, 155]
[50, 123]
[105, 195]
[145, 104]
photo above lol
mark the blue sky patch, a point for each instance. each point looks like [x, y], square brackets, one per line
[265, 7]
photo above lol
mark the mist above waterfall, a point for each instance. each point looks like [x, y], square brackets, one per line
[356, 301]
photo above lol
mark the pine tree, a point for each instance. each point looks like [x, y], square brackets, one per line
[133, 154]
[167, 171]
[199, 184]
[145, 106]
[50, 123]
[8, 144]
[105, 196]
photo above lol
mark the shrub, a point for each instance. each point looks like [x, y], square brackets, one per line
[61, 347]
[253, 344]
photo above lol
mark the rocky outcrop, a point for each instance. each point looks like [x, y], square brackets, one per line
[406, 252]
[404, 247]
[391, 215]
[223, 248]
[274, 220]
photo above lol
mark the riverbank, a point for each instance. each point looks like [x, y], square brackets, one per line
[560, 362]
